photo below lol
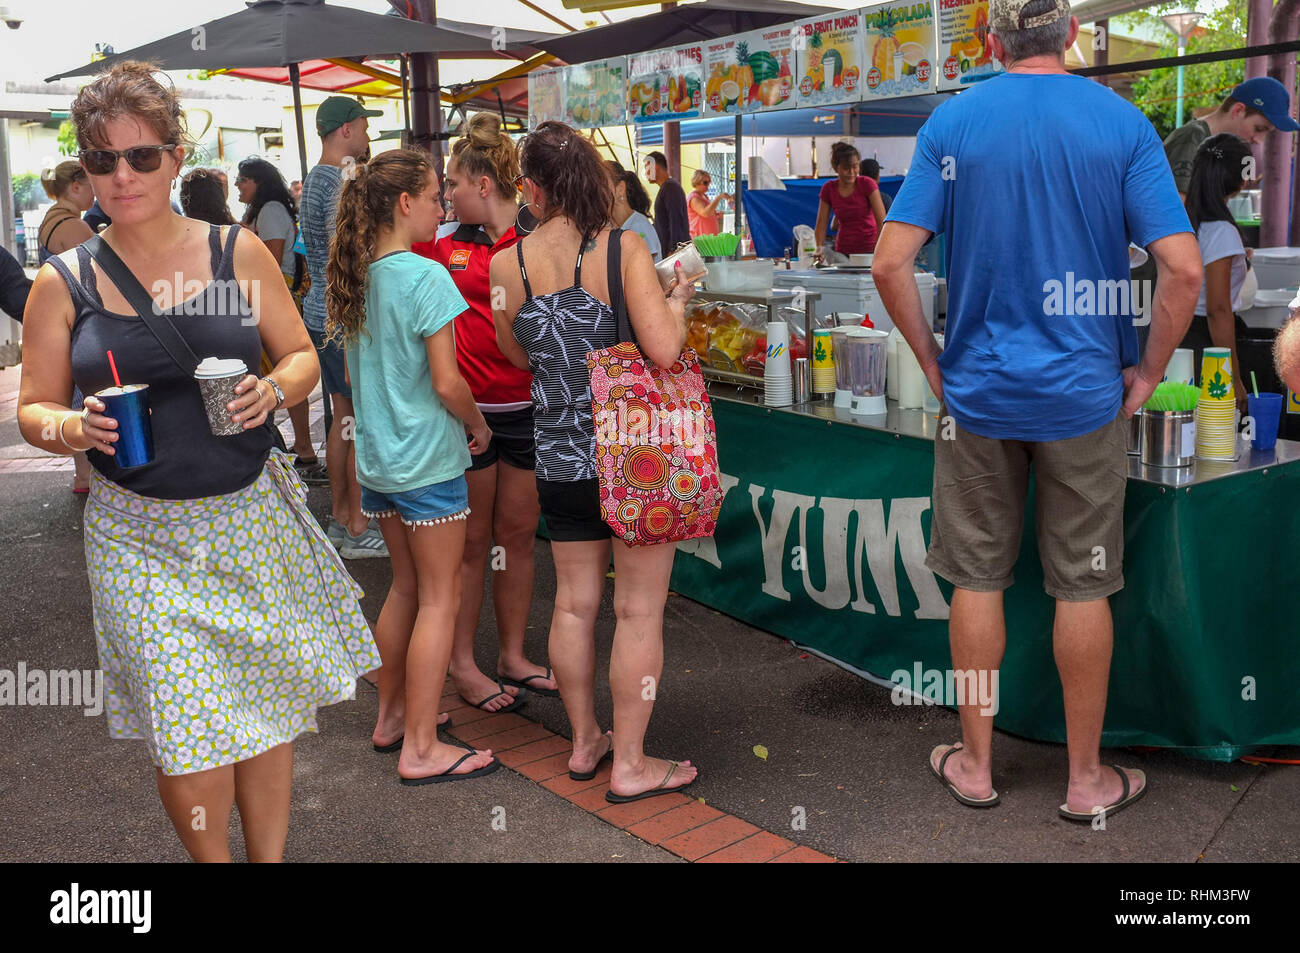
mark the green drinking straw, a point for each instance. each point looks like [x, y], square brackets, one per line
[1254, 384]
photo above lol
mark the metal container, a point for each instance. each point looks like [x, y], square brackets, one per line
[1168, 438]
[800, 380]
[1135, 433]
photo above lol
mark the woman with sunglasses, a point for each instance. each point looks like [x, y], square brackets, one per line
[700, 209]
[503, 508]
[61, 229]
[555, 309]
[223, 617]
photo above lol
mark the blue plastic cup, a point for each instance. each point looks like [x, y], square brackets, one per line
[1266, 409]
[129, 406]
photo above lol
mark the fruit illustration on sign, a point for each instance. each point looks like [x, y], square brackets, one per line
[833, 66]
[882, 55]
[981, 31]
[730, 94]
[713, 89]
[746, 75]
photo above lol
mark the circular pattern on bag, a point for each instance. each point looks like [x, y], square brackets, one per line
[637, 416]
[684, 485]
[645, 468]
[628, 511]
[658, 520]
[626, 351]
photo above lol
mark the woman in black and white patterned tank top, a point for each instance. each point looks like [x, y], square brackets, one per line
[556, 309]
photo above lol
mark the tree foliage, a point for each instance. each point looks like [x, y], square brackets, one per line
[1204, 84]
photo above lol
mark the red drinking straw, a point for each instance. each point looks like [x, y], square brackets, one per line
[113, 365]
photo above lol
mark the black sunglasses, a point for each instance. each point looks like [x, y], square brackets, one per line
[140, 158]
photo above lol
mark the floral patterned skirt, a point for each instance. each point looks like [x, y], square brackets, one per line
[222, 622]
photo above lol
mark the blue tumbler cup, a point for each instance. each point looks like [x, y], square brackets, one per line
[129, 406]
[1267, 411]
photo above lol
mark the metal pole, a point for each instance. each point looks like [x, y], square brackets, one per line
[7, 219]
[294, 80]
[740, 215]
[1178, 109]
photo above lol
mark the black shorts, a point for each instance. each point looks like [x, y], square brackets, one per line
[572, 511]
[512, 441]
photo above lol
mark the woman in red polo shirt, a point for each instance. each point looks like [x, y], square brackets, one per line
[480, 185]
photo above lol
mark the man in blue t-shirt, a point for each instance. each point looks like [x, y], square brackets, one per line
[342, 124]
[1039, 179]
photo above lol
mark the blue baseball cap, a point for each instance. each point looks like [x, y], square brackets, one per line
[1268, 96]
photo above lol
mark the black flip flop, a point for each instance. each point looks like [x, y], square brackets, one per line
[588, 775]
[397, 745]
[448, 776]
[991, 801]
[518, 702]
[1125, 799]
[523, 683]
[613, 798]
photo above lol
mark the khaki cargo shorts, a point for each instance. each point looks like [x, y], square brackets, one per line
[980, 485]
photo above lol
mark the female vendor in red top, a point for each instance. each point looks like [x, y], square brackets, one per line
[855, 200]
[480, 185]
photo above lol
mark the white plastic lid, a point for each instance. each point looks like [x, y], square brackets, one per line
[1277, 253]
[220, 367]
[1276, 297]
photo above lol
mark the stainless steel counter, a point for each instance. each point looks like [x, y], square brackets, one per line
[923, 426]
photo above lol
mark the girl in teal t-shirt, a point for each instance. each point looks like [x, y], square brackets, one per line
[393, 311]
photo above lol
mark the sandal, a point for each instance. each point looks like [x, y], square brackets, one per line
[588, 775]
[518, 702]
[523, 683]
[659, 789]
[1125, 799]
[991, 801]
[447, 775]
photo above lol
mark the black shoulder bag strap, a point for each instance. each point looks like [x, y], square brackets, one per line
[614, 258]
[139, 299]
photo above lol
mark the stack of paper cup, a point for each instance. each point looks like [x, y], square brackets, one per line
[1182, 369]
[823, 362]
[1216, 411]
[778, 388]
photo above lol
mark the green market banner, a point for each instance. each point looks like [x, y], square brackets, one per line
[899, 42]
[822, 540]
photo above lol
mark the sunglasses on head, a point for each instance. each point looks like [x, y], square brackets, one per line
[140, 158]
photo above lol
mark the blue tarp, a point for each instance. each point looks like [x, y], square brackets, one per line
[772, 214]
[885, 117]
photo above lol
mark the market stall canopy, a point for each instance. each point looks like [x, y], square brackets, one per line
[879, 117]
[683, 24]
[273, 33]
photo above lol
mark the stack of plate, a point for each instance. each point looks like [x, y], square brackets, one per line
[1216, 411]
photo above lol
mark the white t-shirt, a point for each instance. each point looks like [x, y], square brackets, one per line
[636, 222]
[274, 221]
[1222, 240]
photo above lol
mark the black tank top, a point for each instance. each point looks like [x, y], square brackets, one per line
[189, 462]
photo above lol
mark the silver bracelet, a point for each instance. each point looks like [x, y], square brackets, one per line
[63, 439]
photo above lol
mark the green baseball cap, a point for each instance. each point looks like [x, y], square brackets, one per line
[338, 110]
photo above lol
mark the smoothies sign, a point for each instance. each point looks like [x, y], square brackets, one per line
[749, 71]
[830, 57]
[546, 97]
[666, 84]
[899, 42]
[963, 43]
[595, 93]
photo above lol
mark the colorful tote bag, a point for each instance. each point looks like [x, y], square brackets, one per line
[656, 444]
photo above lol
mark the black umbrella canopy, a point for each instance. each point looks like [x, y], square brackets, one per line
[683, 24]
[283, 32]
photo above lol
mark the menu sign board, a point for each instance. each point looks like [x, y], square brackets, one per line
[546, 96]
[595, 93]
[830, 59]
[899, 42]
[666, 84]
[963, 54]
[750, 71]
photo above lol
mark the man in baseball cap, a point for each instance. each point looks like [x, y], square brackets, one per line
[1036, 177]
[338, 110]
[1251, 111]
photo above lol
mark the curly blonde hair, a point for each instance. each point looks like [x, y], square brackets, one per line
[366, 204]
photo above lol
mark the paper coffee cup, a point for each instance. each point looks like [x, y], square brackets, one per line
[217, 378]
